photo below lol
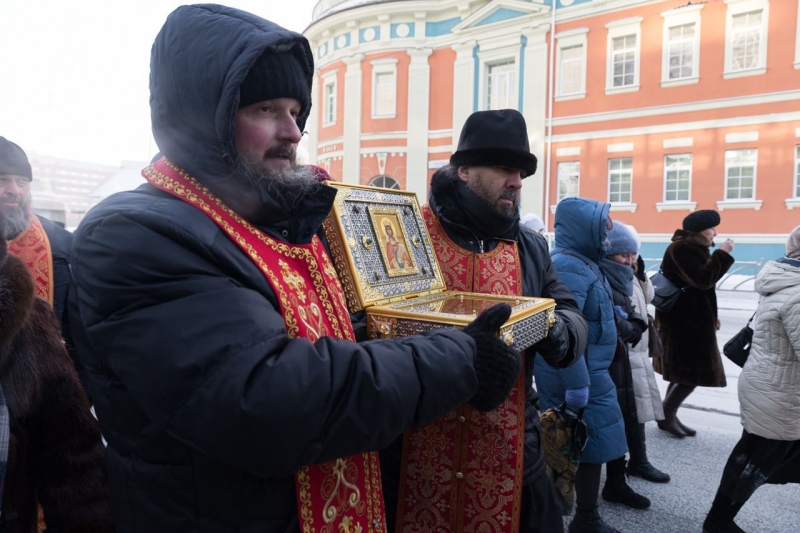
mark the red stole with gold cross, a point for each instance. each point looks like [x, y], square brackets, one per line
[33, 247]
[341, 496]
[464, 472]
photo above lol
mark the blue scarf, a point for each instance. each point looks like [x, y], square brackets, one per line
[619, 276]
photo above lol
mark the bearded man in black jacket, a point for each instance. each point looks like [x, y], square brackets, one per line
[473, 221]
[226, 379]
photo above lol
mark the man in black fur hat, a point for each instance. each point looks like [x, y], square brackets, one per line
[473, 220]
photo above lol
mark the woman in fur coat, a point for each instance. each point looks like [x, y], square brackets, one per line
[689, 330]
[51, 454]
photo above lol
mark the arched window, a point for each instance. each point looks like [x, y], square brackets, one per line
[387, 182]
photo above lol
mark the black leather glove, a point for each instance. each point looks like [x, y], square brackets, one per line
[554, 347]
[497, 365]
[638, 320]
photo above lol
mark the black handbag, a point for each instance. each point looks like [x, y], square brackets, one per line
[656, 347]
[737, 349]
[666, 292]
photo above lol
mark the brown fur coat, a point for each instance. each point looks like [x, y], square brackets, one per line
[689, 330]
[55, 453]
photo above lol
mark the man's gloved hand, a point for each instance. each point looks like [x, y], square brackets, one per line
[497, 365]
[638, 320]
[577, 398]
[554, 347]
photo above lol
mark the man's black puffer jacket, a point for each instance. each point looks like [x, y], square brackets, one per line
[208, 407]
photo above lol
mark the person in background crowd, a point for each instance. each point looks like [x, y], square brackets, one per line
[630, 324]
[691, 355]
[229, 388]
[43, 245]
[769, 388]
[51, 453]
[472, 217]
[581, 227]
[534, 222]
[645, 386]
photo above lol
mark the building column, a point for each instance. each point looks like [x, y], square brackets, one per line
[463, 85]
[351, 164]
[419, 79]
[534, 108]
[312, 123]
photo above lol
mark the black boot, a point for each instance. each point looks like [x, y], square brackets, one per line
[639, 465]
[617, 490]
[672, 402]
[587, 518]
[720, 517]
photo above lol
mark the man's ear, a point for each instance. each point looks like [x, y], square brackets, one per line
[463, 174]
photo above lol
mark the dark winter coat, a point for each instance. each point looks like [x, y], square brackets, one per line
[61, 247]
[539, 278]
[55, 453]
[630, 332]
[689, 330]
[580, 231]
[208, 407]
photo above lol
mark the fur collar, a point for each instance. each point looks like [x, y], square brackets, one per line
[16, 296]
[690, 237]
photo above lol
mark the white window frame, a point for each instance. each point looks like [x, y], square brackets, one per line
[575, 172]
[611, 172]
[512, 94]
[503, 51]
[740, 7]
[566, 40]
[382, 180]
[796, 173]
[678, 169]
[329, 105]
[681, 16]
[618, 29]
[755, 172]
[385, 65]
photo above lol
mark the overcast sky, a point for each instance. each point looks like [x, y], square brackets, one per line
[74, 73]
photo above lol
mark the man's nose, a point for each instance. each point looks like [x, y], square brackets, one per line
[514, 181]
[288, 130]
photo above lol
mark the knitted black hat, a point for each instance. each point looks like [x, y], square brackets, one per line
[276, 75]
[495, 139]
[701, 220]
[13, 161]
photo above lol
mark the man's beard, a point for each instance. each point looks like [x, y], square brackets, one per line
[295, 181]
[486, 195]
[17, 218]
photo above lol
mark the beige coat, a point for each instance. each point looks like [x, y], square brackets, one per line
[645, 387]
[769, 385]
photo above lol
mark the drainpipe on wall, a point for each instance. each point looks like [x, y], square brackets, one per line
[550, 99]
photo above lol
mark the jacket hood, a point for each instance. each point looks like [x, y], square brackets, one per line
[777, 276]
[580, 225]
[198, 61]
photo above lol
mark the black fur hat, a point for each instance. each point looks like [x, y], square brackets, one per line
[495, 139]
[701, 220]
[13, 161]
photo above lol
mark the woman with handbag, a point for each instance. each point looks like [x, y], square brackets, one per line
[769, 386]
[689, 330]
